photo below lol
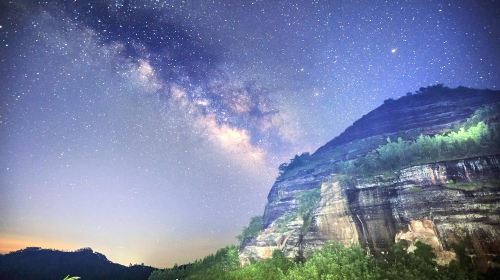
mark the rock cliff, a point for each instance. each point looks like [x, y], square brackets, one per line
[441, 203]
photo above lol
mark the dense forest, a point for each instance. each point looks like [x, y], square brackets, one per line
[333, 261]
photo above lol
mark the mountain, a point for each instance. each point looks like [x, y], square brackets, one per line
[40, 264]
[424, 167]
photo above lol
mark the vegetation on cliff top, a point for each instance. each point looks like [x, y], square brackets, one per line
[331, 262]
[478, 135]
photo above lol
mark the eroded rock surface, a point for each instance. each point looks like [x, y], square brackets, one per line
[441, 204]
[425, 231]
[422, 203]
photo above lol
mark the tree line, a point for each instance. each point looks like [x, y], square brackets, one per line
[332, 262]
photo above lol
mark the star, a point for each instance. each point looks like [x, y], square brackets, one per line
[200, 94]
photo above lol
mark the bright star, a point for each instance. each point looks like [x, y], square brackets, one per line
[393, 50]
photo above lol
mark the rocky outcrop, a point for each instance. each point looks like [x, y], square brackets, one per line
[431, 110]
[332, 219]
[430, 203]
[425, 231]
[434, 110]
[441, 204]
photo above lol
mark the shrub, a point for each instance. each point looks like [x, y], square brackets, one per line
[274, 268]
[333, 262]
[298, 160]
[478, 139]
[214, 266]
[250, 231]
[478, 135]
[307, 201]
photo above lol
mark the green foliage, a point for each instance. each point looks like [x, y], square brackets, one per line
[470, 186]
[216, 266]
[485, 114]
[462, 268]
[478, 135]
[475, 140]
[332, 262]
[282, 222]
[251, 230]
[274, 268]
[71, 277]
[418, 264]
[401, 264]
[298, 160]
[434, 89]
[307, 201]
[415, 189]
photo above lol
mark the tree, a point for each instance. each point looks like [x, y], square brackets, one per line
[335, 262]
[251, 230]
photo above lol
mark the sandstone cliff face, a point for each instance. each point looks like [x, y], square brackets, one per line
[431, 203]
[408, 116]
[435, 198]
[440, 204]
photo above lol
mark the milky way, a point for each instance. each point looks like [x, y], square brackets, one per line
[151, 130]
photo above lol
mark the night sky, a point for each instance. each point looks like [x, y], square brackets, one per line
[151, 131]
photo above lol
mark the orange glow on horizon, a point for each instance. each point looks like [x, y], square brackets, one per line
[13, 243]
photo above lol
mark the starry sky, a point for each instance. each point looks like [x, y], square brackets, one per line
[151, 130]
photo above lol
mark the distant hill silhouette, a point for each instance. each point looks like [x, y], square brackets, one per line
[40, 264]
